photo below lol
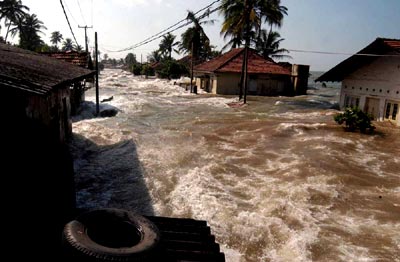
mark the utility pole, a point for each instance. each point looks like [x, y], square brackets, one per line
[97, 75]
[86, 40]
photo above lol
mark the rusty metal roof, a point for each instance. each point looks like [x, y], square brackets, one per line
[380, 46]
[31, 72]
[231, 62]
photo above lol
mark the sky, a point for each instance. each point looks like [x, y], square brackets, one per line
[341, 26]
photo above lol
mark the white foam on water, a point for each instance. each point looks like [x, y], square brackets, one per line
[260, 209]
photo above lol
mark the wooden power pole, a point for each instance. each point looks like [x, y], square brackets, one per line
[86, 39]
[97, 75]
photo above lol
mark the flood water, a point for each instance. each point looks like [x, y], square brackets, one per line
[277, 180]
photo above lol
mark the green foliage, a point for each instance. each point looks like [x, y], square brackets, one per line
[136, 68]
[147, 70]
[354, 118]
[171, 69]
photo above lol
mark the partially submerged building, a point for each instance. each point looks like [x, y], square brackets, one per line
[41, 88]
[221, 75]
[371, 80]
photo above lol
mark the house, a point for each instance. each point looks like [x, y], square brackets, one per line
[36, 165]
[81, 59]
[371, 80]
[221, 75]
[40, 88]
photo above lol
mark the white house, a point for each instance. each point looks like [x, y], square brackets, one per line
[371, 80]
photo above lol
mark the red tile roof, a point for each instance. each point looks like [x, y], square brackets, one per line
[380, 46]
[231, 62]
[73, 57]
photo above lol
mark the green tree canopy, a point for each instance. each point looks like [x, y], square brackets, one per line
[167, 46]
[13, 12]
[243, 20]
[56, 37]
[29, 29]
[195, 38]
[130, 59]
[268, 45]
[68, 45]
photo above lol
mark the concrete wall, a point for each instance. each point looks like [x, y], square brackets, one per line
[379, 80]
[228, 84]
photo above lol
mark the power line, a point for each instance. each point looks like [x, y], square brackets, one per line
[165, 31]
[62, 5]
[338, 53]
[70, 13]
[80, 9]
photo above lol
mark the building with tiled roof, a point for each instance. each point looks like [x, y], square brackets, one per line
[221, 75]
[371, 79]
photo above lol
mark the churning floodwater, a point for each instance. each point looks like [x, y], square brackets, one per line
[277, 180]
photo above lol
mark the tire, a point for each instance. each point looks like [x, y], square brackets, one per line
[110, 235]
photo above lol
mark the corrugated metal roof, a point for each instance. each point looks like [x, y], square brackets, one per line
[231, 62]
[35, 73]
[380, 46]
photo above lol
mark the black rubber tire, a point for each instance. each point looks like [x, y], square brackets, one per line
[110, 235]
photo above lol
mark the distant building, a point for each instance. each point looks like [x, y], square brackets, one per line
[221, 75]
[371, 80]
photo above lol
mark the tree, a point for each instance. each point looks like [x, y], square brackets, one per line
[77, 47]
[130, 59]
[243, 23]
[56, 37]
[194, 40]
[268, 45]
[167, 46]
[68, 45]
[154, 56]
[29, 28]
[243, 19]
[354, 118]
[12, 11]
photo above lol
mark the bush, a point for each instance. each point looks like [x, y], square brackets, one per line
[171, 69]
[354, 119]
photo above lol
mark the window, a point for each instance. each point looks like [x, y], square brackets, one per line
[395, 110]
[351, 101]
[391, 110]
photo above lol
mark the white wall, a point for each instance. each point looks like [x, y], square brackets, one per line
[380, 79]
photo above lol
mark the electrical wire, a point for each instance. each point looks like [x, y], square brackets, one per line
[338, 53]
[66, 16]
[80, 9]
[165, 31]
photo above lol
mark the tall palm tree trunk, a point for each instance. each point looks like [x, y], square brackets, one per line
[8, 30]
[246, 49]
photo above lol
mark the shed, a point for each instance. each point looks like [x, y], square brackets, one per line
[371, 80]
[221, 75]
[39, 88]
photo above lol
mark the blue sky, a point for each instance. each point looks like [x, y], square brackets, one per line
[343, 26]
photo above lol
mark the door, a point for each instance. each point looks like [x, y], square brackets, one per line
[372, 107]
[391, 110]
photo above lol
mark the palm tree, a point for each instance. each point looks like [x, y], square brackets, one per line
[194, 40]
[12, 11]
[268, 45]
[154, 56]
[77, 48]
[68, 45]
[56, 37]
[243, 21]
[167, 45]
[29, 28]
